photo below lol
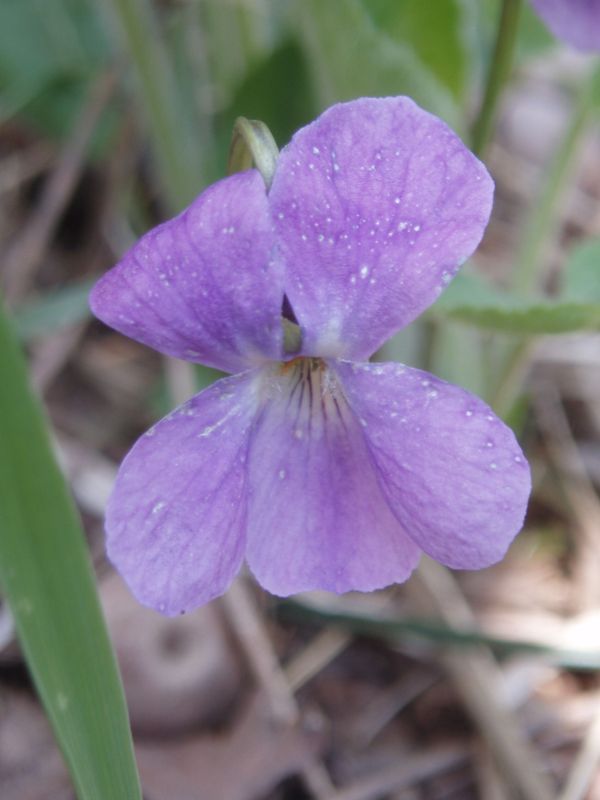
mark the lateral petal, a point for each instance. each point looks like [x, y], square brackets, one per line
[451, 470]
[204, 286]
[176, 520]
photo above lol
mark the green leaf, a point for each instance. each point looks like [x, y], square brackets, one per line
[350, 57]
[46, 576]
[582, 273]
[53, 311]
[533, 38]
[436, 31]
[265, 94]
[472, 299]
[47, 60]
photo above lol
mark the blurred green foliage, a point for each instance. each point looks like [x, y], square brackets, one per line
[190, 67]
[47, 60]
[53, 311]
[473, 299]
[440, 33]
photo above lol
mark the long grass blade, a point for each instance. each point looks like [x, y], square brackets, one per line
[47, 579]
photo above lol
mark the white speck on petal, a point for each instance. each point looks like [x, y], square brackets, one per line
[281, 474]
[158, 506]
[316, 151]
[364, 271]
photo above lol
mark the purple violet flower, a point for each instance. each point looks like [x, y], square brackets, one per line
[322, 470]
[576, 22]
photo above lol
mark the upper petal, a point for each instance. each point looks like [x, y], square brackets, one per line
[376, 204]
[176, 520]
[204, 286]
[317, 518]
[574, 21]
[451, 470]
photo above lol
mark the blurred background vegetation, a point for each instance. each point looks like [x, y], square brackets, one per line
[114, 114]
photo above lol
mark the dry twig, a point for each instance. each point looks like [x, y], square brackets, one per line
[26, 252]
[477, 678]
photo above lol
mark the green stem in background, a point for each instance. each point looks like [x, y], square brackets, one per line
[227, 55]
[513, 371]
[538, 231]
[434, 631]
[499, 70]
[180, 178]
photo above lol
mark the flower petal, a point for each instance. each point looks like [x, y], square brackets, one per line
[203, 286]
[574, 21]
[377, 203]
[176, 520]
[451, 470]
[317, 518]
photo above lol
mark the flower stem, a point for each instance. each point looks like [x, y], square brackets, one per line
[498, 73]
[513, 371]
[537, 234]
[542, 220]
[141, 38]
[253, 143]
